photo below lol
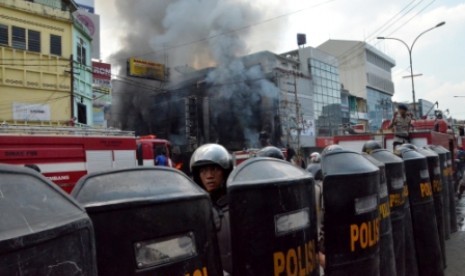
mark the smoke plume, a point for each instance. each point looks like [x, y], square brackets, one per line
[197, 33]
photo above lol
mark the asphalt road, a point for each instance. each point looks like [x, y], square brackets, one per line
[455, 247]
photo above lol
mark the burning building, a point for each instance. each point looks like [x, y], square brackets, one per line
[235, 98]
[259, 93]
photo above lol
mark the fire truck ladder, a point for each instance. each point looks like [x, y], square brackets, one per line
[72, 131]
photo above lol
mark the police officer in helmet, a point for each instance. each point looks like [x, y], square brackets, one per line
[370, 146]
[211, 165]
[271, 152]
[315, 157]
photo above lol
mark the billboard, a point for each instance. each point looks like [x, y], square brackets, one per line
[101, 104]
[308, 126]
[146, 69]
[101, 73]
[92, 23]
[31, 112]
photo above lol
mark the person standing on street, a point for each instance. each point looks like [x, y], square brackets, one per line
[161, 159]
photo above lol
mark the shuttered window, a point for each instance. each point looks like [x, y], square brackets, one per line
[4, 35]
[19, 38]
[33, 43]
[55, 45]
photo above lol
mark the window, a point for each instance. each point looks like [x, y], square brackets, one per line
[81, 52]
[4, 34]
[55, 45]
[82, 113]
[33, 43]
[19, 38]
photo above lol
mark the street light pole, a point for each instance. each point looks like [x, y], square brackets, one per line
[410, 49]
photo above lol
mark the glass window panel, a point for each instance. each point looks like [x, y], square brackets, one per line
[19, 38]
[4, 35]
[55, 45]
[33, 43]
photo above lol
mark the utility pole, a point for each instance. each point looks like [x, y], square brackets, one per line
[71, 62]
[297, 111]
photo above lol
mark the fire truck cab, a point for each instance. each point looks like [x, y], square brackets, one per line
[149, 147]
[65, 154]
[424, 132]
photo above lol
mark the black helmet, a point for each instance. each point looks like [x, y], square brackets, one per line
[331, 148]
[210, 154]
[370, 146]
[271, 151]
[401, 149]
[315, 170]
[409, 146]
[402, 107]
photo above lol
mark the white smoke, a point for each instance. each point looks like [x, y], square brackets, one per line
[202, 33]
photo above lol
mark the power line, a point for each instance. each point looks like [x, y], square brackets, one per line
[385, 26]
[34, 65]
[388, 26]
[410, 19]
[233, 31]
[6, 110]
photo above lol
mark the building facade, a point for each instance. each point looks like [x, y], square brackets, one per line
[326, 88]
[36, 48]
[294, 97]
[82, 75]
[366, 73]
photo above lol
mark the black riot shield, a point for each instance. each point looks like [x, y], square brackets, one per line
[352, 223]
[386, 245]
[402, 232]
[423, 213]
[273, 219]
[150, 221]
[450, 177]
[442, 152]
[43, 231]
[432, 159]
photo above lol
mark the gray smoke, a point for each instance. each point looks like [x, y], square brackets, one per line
[175, 32]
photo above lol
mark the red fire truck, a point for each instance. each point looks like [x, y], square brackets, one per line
[66, 154]
[422, 135]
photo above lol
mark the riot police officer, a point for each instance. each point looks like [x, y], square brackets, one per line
[315, 157]
[272, 152]
[211, 165]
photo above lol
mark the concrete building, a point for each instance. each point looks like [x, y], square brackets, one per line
[326, 89]
[296, 99]
[82, 86]
[366, 73]
[37, 40]
[87, 16]
[231, 105]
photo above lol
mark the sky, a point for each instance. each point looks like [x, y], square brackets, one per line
[438, 55]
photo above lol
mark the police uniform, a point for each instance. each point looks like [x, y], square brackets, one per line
[401, 127]
[315, 170]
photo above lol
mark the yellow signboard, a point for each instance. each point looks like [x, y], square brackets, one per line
[146, 69]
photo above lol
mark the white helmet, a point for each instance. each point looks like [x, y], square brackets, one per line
[315, 157]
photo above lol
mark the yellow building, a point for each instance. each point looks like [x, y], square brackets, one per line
[36, 45]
